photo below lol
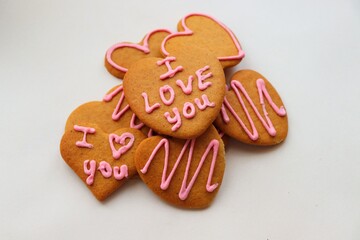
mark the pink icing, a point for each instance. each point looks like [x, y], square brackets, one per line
[139, 126]
[105, 169]
[117, 112]
[120, 173]
[144, 48]
[83, 143]
[133, 124]
[188, 89]
[176, 119]
[169, 89]
[150, 132]
[191, 107]
[221, 133]
[238, 87]
[122, 141]
[90, 171]
[149, 109]
[188, 32]
[171, 72]
[223, 112]
[201, 78]
[206, 103]
[185, 189]
[260, 83]
[108, 97]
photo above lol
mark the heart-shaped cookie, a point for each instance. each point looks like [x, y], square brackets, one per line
[185, 173]
[253, 111]
[110, 114]
[120, 56]
[205, 31]
[104, 161]
[177, 96]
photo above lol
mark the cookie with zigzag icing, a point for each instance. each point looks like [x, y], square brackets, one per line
[184, 173]
[252, 111]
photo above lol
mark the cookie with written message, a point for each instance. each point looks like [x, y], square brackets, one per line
[120, 56]
[253, 111]
[179, 95]
[103, 161]
[184, 173]
[198, 29]
[110, 114]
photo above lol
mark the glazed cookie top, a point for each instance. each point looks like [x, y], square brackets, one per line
[184, 173]
[120, 56]
[103, 161]
[205, 31]
[110, 114]
[177, 96]
[253, 111]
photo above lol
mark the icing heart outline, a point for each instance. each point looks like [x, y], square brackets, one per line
[120, 140]
[188, 32]
[144, 47]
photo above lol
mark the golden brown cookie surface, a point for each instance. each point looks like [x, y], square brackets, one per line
[103, 161]
[253, 111]
[110, 114]
[179, 96]
[120, 56]
[205, 31]
[185, 173]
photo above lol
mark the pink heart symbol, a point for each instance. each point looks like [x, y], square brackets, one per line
[122, 141]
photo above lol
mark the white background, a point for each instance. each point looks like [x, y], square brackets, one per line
[51, 61]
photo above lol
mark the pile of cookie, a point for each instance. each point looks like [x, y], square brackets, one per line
[167, 120]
